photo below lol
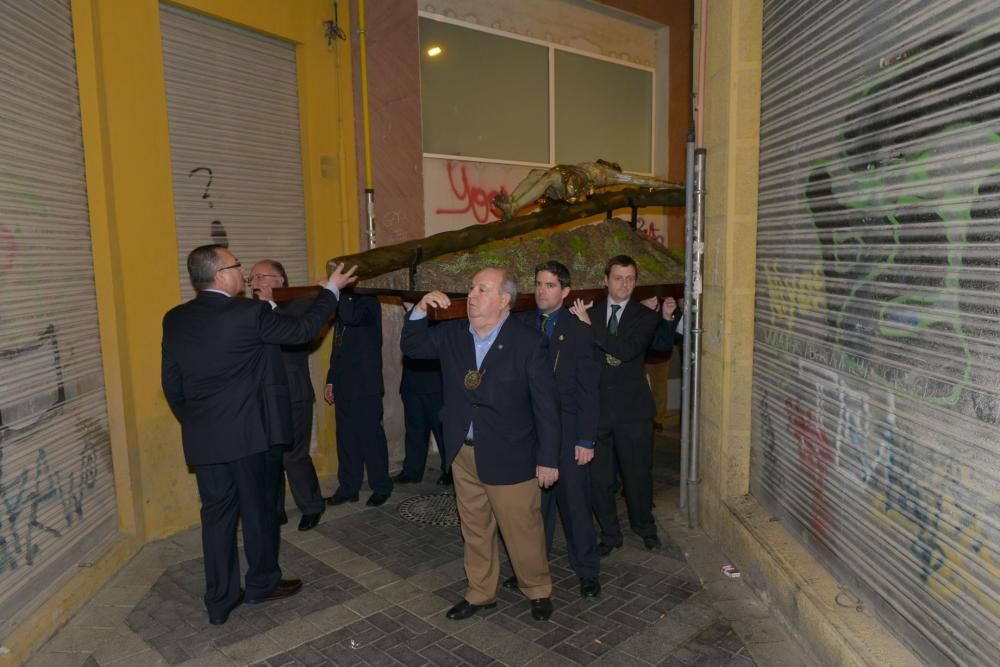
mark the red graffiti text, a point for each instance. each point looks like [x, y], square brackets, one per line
[474, 199]
[816, 456]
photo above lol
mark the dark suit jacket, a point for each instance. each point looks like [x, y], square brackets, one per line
[420, 376]
[296, 357]
[221, 372]
[624, 391]
[571, 356]
[356, 354]
[665, 336]
[514, 410]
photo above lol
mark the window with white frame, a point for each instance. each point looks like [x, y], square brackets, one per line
[496, 97]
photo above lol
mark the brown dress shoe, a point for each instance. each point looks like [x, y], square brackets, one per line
[286, 588]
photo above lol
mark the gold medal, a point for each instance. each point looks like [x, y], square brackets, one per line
[472, 380]
[612, 360]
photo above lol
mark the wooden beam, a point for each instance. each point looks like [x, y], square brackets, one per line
[378, 261]
[458, 308]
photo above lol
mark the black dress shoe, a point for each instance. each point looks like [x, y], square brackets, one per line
[403, 478]
[590, 587]
[220, 619]
[605, 549]
[286, 588]
[510, 584]
[444, 479]
[282, 518]
[335, 500]
[376, 499]
[652, 542]
[309, 521]
[465, 609]
[541, 609]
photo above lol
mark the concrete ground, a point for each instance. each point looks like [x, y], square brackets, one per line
[377, 586]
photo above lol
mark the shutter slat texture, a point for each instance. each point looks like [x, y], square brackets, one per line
[232, 100]
[57, 500]
[876, 389]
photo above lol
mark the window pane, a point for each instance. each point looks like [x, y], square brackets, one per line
[603, 110]
[483, 95]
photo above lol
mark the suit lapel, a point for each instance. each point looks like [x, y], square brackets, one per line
[599, 315]
[628, 314]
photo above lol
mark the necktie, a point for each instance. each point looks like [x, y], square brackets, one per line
[545, 321]
[613, 322]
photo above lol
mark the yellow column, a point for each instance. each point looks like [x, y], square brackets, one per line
[732, 139]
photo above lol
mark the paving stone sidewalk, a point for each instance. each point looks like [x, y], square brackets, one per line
[377, 586]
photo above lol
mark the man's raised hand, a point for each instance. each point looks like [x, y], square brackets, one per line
[579, 308]
[342, 278]
[433, 299]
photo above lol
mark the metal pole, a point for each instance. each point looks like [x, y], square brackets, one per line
[370, 216]
[686, 344]
[366, 126]
[693, 327]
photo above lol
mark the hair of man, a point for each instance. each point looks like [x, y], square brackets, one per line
[621, 260]
[558, 269]
[508, 282]
[203, 264]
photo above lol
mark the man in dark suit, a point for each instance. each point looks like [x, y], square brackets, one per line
[354, 387]
[571, 357]
[623, 329]
[265, 276]
[222, 384]
[501, 434]
[420, 389]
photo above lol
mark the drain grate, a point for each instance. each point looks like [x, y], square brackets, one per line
[437, 509]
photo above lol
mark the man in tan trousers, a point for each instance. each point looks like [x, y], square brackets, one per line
[501, 434]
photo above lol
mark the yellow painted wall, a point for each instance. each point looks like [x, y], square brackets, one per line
[125, 124]
[127, 153]
[731, 135]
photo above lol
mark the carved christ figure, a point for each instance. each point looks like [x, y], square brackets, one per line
[568, 183]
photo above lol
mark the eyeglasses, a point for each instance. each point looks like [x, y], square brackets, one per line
[258, 276]
[231, 266]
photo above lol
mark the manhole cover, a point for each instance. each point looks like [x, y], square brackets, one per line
[434, 510]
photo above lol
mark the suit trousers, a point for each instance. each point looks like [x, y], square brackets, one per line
[632, 444]
[298, 464]
[422, 414]
[243, 490]
[571, 495]
[516, 510]
[361, 447]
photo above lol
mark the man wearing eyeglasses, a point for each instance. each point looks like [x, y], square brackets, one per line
[266, 275]
[219, 378]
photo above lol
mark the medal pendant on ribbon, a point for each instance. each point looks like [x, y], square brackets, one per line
[612, 360]
[472, 380]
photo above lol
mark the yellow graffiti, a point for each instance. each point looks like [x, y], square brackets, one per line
[795, 295]
[957, 554]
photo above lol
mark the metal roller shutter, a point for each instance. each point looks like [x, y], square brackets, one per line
[57, 498]
[232, 99]
[877, 358]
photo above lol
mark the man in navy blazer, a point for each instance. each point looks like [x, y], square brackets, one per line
[571, 357]
[501, 434]
[623, 330]
[225, 384]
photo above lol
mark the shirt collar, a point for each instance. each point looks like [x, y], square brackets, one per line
[492, 335]
[553, 316]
